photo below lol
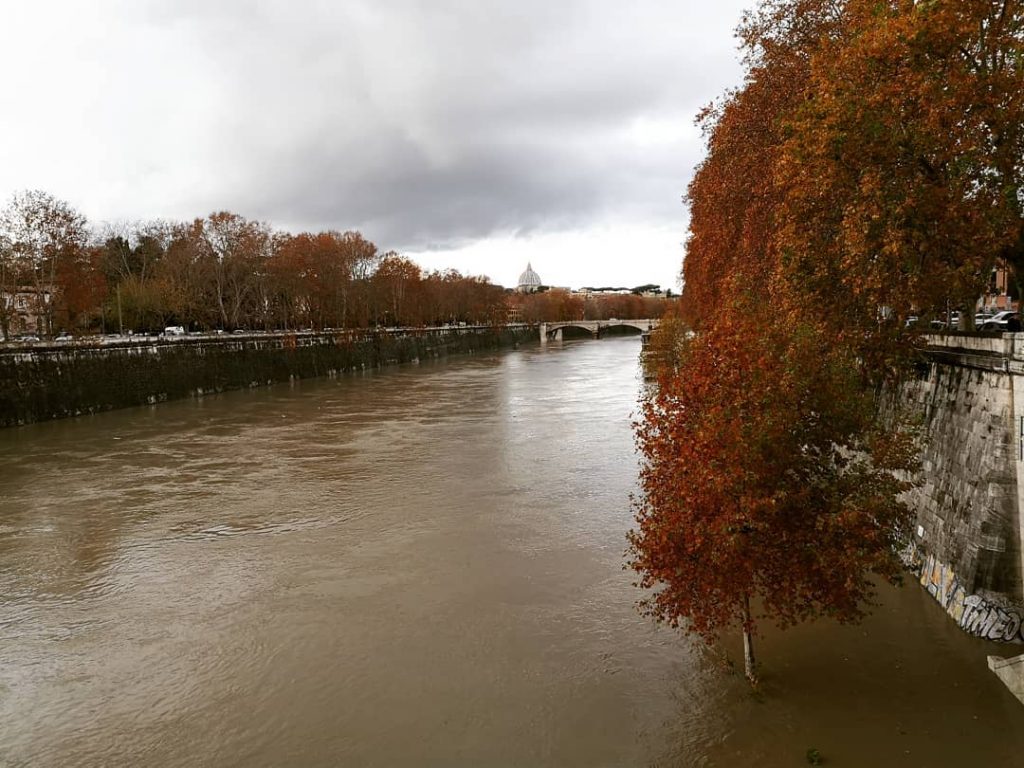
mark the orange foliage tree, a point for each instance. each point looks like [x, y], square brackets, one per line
[81, 288]
[768, 483]
[734, 196]
[862, 170]
[398, 282]
[902, 172]
[315, 278]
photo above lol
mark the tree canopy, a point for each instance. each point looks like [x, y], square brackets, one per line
[869, 167]
[224, 271]
[768, 478]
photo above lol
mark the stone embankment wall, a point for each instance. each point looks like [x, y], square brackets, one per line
[966, 545]
[55, 381]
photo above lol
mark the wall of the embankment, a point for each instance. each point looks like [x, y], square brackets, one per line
[966, 547]
[52, 382]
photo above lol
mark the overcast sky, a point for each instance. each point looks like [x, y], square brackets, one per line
[477, 134]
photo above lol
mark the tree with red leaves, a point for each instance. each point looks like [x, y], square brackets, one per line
[734, 197]
[769, 485]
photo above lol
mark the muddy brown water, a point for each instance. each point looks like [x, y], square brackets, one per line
[420, 566]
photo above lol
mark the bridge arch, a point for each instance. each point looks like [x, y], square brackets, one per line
[640, 325]
[553, 330]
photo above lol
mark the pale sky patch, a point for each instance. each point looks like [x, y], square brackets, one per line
[475, 135]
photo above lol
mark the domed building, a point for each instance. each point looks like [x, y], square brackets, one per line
[529, 281]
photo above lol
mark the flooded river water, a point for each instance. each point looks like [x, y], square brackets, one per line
[421, 566]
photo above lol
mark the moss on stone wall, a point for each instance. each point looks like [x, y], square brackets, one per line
[55, 382]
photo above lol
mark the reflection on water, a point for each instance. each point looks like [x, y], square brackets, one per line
[420, 566]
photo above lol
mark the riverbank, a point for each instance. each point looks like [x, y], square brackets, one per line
[56, 381]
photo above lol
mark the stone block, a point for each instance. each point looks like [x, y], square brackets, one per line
[1011, 672]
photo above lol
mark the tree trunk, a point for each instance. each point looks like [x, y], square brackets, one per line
[749, 665]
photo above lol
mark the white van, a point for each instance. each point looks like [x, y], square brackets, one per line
[174, 330]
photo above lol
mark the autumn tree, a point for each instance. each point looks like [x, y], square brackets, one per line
[184, 276]
[486, 303]
[665, 347]
[870, 164]
[397, 282]
[734, 196]
[441, 301]
[40, 233]
[768, 482]
[81, 288]
[770, 486]
[291, 277]
[364, 257]
[220, 271]
[903, 171]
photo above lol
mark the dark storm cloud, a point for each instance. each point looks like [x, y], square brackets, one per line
[396, 191]
[430, 124]
[425, 124]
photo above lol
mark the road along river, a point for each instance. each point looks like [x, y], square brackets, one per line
[416, 566]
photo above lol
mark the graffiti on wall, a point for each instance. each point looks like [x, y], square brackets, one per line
[975, 614]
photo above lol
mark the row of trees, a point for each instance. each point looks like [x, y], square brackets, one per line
[871, 166]
[225, 271]
[221, 271]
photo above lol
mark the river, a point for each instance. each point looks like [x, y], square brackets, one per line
[420, 566]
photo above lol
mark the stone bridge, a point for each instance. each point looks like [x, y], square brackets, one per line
[594, 327]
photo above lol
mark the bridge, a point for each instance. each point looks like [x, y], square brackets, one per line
[594, 327]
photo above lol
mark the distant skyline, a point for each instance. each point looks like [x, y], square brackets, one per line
[464, 135]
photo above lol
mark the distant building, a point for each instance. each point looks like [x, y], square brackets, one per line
[587, 292]
[1000, 292]
[529, 281]
[22, 310]
[648, 291]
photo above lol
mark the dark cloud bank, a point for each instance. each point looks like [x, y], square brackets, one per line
[429, 125]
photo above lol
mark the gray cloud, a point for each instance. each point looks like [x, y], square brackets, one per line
[425, 124]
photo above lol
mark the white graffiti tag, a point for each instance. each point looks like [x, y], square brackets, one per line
[973, 613]
[983, 619]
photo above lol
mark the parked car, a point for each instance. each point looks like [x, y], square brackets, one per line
[174, 330]
[64, 337]
[1003, 321]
